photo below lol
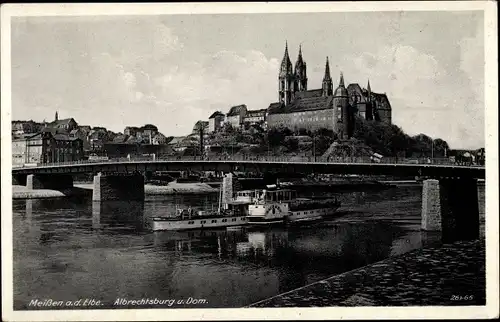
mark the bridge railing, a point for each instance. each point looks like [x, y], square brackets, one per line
[250, 158]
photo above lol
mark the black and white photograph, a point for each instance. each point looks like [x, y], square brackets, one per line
[167, 161]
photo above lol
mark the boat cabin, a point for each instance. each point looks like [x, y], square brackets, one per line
[280, 195]
[246, 195]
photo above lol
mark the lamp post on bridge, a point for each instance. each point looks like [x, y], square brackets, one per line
[314, 147]
[432, 151]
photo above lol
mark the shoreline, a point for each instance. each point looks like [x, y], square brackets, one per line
[84, 189]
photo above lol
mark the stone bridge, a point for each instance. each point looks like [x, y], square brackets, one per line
[449, 197]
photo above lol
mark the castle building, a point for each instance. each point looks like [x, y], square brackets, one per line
[299, 108]
[236, 115]
[255, 117]
[215, 121]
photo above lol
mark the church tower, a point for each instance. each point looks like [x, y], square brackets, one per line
[369, 103]
[286, 79]
[341, 111]
[300, 73]
[327, 81]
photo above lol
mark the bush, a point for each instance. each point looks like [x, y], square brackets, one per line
[390, 140]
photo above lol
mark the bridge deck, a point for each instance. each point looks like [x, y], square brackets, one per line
[306, 165]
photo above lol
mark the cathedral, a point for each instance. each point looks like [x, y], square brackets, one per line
[299, 108]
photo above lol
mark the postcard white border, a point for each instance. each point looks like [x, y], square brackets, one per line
[491, 126]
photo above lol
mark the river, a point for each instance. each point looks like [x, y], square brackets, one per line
[71, 249]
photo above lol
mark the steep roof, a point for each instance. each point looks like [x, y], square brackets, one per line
[341, 91]
[61, 122]
[27, 136]
[50, 130]
[274, 108]
[236, 110]
[309, 93]
[199, 124]
[382, 101]
[64, 137]
[354, 88]
[119, 138]
[215, 114]
[96, 135]
[177, 140]
[159, 135]
[305, 104]
[131, 140]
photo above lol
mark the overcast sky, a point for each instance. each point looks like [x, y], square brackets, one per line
[173, 70]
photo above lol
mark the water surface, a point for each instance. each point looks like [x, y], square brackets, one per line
[71, 249]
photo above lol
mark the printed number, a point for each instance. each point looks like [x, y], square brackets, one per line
[462, 298]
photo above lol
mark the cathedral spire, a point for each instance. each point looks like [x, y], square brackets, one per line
[286, 78]
[286, 64]
[300, 73]
[368, 87]
[57, 116]
[300, 60]
[327, 70]
[327, 80]
[341, 82]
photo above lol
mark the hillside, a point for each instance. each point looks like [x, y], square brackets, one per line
[369, 137]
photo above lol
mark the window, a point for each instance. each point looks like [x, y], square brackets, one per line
[214, 221]
[203, 221]
[190, 222]
[234, 219]
[224, 220]
[242, 218]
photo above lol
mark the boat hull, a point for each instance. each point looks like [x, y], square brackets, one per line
[293, 217]
[160, 223]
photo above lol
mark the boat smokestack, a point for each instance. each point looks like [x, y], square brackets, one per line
[227, 189]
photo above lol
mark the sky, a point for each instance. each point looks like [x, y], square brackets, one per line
[173, 70]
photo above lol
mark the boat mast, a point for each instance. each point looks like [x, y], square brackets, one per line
[220, 198]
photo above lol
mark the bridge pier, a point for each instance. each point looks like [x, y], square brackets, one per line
[49, 181]
[450, 206]
[118, 187]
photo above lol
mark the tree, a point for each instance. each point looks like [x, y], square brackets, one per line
[441, 148]
[227, 127]
[292, 144]
[276, 136]
[390, 140]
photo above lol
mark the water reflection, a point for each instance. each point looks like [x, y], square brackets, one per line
[119, 215]
[96, 215]
[311, 252]
[75, 248]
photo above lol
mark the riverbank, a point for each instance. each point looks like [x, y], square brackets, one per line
[82, 189]
[453, 274]
[21, 192]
